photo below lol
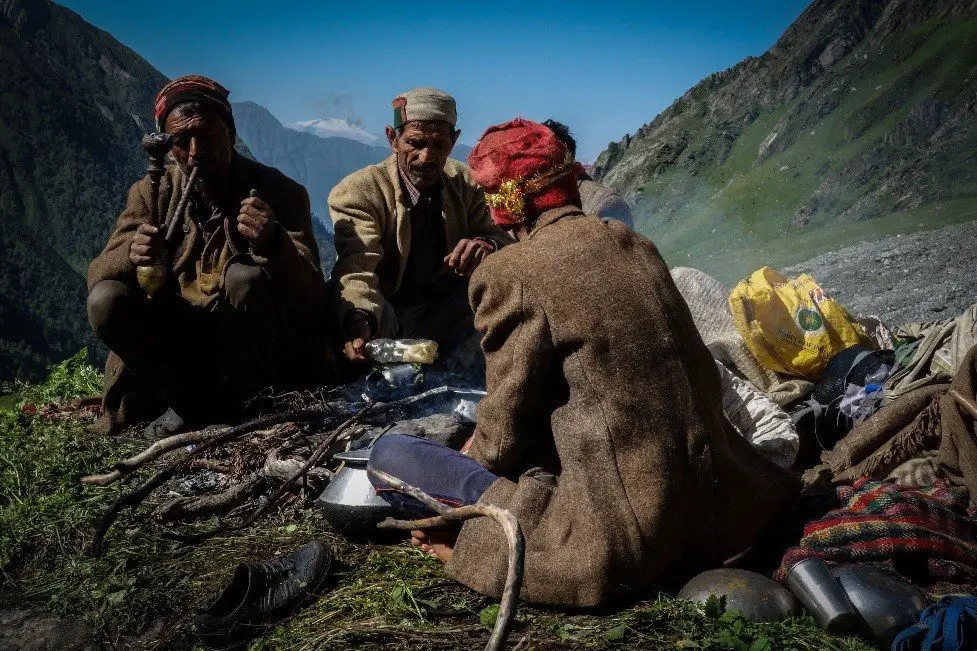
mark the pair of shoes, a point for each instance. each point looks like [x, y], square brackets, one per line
[261, 594]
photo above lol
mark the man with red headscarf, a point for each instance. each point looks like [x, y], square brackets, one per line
[241, 307]
[602, 430]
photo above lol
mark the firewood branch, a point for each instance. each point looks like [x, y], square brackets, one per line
[312, 460]
[206, 438]
[447, 514]
[194, 508]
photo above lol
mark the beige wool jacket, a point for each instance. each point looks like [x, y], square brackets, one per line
[372, 231]
[596, 374]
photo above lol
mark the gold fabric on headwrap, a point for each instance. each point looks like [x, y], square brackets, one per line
[511, 195]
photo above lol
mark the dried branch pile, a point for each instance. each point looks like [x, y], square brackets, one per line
[239, 473]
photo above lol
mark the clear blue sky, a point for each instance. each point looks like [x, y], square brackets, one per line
[604, 68]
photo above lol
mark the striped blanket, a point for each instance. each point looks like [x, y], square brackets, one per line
[926, 535]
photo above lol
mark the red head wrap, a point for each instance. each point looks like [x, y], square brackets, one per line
[193, 88]
[525, 171]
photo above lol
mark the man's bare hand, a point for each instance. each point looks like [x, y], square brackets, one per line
[256, 222]
[467, 255]
[357, 330]
[147, 246]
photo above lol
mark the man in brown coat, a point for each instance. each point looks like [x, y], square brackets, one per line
[602, 430]
[241, 307]
[409, 232]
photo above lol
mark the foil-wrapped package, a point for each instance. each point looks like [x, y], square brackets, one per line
[409, 351]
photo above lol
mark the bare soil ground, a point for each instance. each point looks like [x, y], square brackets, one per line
[923, 276]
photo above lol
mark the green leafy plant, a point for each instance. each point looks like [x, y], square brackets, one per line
[67, 380]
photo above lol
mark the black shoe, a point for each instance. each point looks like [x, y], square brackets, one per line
[168, 424]
[261, 594]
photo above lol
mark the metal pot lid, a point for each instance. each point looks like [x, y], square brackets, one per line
[355, 458]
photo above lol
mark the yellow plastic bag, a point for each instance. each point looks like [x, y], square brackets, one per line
[790, 324]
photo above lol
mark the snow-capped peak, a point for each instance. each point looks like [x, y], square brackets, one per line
[334, 128]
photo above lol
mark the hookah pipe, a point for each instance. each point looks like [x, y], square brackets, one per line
[151, 277]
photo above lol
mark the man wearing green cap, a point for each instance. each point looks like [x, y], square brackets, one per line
[409, 232]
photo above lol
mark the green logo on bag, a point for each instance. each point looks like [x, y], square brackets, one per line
[809, 320]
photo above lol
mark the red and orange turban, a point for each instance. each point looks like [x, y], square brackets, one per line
[525, 170]
[193, 88]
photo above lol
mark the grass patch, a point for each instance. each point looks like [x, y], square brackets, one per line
[143, 592]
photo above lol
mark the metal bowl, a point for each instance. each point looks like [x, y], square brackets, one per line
[887, 604]
[349, 503]
[758, 598]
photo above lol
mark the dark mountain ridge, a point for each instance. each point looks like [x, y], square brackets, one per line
[73, 104]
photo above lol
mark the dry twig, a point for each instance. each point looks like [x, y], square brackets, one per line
[969, 405]
[206, 438]
[131, 499]
[316, 456]
[194, 508]
[447, 514]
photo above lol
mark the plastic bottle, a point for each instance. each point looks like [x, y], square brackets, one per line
[410, 351]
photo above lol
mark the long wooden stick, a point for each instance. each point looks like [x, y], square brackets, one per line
[969, 405]
[154, 451]
[447, 514]
[131, 499]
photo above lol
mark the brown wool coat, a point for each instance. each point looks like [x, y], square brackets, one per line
[293, 263]
[372, 231]
[596, 373]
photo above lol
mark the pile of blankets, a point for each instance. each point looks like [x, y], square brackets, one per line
[926, 535]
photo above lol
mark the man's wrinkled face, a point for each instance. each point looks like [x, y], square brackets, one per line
[422, 149]
[201, 139]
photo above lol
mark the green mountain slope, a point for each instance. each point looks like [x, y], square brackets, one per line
[73, 105]
[859, 121]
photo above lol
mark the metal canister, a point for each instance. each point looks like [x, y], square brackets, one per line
[815, 587]
[887, 604]
[349, 503]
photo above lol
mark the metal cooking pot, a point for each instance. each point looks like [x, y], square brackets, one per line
[887, 604]
[758, 598]
[349, 503]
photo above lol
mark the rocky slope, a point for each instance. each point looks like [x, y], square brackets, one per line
[920, 277]
[861, 110]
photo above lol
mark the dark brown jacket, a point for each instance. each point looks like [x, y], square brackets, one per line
[198, 267]
[597, 374]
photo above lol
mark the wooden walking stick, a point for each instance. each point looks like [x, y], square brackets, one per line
[446, 515]
[151, 277]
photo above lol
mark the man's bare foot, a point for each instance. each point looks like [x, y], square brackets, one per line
[437, 542]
